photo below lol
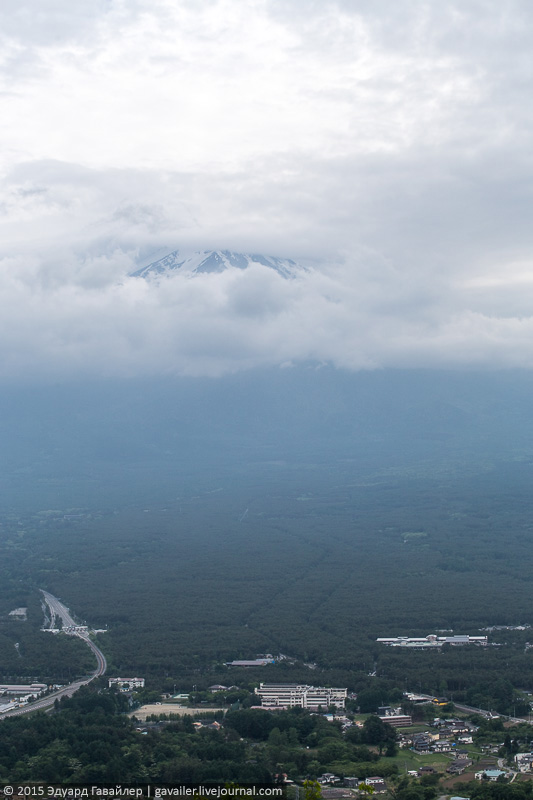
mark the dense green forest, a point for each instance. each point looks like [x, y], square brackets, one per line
[314, 566]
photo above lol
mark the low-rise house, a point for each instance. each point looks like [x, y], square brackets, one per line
[524, 762]
[404, 739]
[328, 778]
[459, 728]
[490, 775]
[490, 749]
[352, 782]
[442, 746]
[422, 742]
[212, 726]
[456, 767]
[377, 783]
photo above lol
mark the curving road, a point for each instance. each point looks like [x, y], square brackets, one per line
[481, 711]
[58, 609]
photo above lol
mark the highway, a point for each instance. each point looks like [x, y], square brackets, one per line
[481, 711]
[59, 610]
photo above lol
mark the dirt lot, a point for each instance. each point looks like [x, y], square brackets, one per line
[468, 775]
[169, 708]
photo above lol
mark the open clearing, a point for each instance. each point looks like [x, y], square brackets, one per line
[170, 708]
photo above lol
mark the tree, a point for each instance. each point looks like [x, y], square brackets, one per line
[376, 731]
[312, 790]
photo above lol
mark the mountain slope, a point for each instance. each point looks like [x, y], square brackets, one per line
[214, 261]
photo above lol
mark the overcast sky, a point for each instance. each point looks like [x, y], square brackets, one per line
[390, 142]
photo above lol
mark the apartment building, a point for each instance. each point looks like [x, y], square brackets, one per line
[291, 695]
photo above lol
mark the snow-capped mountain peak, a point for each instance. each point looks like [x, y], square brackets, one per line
[213, 261]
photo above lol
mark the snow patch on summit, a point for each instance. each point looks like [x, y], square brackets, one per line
[215, 261]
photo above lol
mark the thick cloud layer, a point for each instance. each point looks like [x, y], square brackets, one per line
[389, 143]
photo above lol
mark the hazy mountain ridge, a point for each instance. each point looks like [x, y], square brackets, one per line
[215, 261]
[115, 438]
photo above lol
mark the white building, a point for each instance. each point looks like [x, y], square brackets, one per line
[126, 684]
[524, 762]
[419, 643]
[397, 720]
[291, 695]
[22, 688]
[490, 775]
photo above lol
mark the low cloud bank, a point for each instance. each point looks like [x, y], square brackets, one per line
[352, 315]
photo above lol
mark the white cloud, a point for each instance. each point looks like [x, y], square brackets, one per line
[391, 142]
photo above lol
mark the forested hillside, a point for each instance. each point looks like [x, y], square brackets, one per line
[296, 524]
